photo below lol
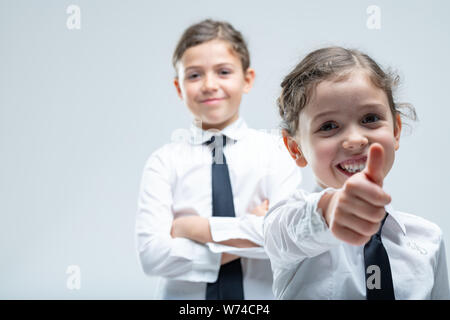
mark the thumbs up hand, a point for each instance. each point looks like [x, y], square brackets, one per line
[355, 211]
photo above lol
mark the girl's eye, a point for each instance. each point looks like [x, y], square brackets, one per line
[328, 126]
[370, 118]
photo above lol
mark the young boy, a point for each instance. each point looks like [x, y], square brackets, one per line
[202, 201]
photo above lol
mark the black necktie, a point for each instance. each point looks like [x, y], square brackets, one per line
[377, 269]
[229, 283]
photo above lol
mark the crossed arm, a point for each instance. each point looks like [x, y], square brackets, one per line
[198, 229]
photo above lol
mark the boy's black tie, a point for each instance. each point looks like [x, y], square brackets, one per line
[229, 283]
[375, 256]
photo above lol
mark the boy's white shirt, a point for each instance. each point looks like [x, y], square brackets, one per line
[177, 181]
[308, 262]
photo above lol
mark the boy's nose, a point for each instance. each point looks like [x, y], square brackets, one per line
[355, 140]
[209, 83]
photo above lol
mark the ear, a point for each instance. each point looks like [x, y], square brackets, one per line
[294, 149]
[249, 78]
[397, 131]
[178, 87]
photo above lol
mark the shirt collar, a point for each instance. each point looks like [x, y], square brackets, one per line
[396, 217]
[235, 131]
[389, 209]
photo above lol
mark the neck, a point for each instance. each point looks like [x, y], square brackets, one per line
[219, 126]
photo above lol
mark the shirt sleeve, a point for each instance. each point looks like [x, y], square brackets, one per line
[441, 289]
[247, 227]
[280, 178]
[295, 229]
[160, 254]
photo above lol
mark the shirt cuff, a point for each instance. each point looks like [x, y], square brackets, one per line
[252, 253]
[247, 227]
[205, 266]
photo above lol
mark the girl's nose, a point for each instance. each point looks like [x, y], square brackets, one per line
[355, 140]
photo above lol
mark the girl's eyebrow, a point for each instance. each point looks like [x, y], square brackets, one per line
[361, 108]
[323, 114]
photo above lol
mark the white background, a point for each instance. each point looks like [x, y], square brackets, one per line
[81, 110]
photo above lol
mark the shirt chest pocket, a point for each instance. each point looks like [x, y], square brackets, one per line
[413, 274]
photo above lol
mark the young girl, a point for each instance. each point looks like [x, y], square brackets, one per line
[202, 200]
[345, 241]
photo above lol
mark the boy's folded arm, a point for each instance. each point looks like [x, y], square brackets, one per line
[283, 177]
[235, 235]
[178, 259]
[243, 231]
[159, 253]
[295, 229]
[241, 236]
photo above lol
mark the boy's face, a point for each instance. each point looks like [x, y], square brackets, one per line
[211, 83]
[340, 123]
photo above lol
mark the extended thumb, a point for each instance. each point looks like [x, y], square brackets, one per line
[375, 163]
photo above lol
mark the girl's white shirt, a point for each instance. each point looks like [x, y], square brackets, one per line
[177, 181]
[308, 262]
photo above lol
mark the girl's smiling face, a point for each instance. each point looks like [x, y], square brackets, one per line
[341, 121]
[211, 83]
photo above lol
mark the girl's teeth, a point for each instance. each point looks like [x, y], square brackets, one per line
[352, 168]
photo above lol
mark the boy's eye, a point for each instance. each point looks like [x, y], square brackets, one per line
[370, 118]
[328, 126]
[224, 71]
[192, 76]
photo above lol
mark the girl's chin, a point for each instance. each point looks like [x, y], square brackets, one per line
[335, 182]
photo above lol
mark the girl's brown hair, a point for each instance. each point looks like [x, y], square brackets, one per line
[208, 30]
[331, 63]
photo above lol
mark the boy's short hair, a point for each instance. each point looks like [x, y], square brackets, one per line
[208, 30]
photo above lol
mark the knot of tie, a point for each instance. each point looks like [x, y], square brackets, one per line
[217, 150]
[378, 234]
